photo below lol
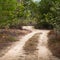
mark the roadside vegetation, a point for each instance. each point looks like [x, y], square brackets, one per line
[54, 43]
[43, 14]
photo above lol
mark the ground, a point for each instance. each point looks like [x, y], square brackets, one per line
[9, 37]
[32, 46]
[54, 43]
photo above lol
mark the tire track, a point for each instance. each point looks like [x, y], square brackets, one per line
[16, 51]
[30, 48]
[44, 53]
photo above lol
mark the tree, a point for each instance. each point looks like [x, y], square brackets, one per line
[7, 8]
[49, 13]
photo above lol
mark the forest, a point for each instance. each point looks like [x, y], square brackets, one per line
[42, 14]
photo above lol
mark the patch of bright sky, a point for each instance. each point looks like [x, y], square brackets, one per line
[36, 0]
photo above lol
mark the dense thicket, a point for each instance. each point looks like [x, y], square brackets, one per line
[7, 16]
[43, 14]
[49, 13]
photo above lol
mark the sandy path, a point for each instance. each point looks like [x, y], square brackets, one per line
[14, 52]
[44, 52]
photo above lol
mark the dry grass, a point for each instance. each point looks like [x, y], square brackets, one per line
[31, 44]
[14, 32]
[54, 43]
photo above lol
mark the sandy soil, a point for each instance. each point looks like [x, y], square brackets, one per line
[17, 50]
[42, 53]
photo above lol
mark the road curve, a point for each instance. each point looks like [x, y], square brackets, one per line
[18, 49]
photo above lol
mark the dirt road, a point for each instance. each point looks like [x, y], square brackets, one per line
[43, 53]
[15, 51]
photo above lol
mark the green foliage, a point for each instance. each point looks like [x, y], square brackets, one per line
[20, 11]
[45, 12]
[49, 12]
[7, 8]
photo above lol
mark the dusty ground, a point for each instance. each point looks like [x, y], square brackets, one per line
[8, 38]
[33, 46]
[17, 49]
